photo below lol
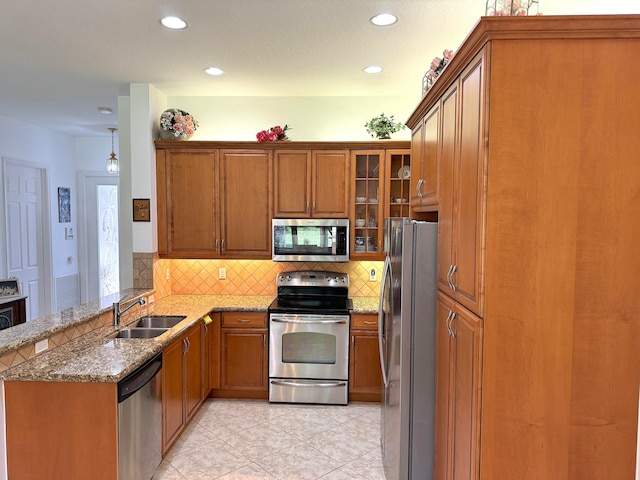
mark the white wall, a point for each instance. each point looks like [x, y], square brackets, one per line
[311, 118]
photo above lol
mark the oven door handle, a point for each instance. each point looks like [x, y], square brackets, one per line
[311, 322]
[386, 276]
[283, 383]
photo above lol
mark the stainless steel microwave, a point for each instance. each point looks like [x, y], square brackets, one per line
[310, 240]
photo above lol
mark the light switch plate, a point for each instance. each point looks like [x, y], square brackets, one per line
[222, 273]
[372, 275]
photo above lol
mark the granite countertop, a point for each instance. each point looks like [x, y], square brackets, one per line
[365, 305]
[97, 357]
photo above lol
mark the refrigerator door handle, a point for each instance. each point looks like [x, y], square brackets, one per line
[386, 271]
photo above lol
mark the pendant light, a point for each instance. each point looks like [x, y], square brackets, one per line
[112, 161]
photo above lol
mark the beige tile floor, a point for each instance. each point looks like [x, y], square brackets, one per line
[256, 440]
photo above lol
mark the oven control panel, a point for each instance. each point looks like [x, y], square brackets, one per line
[312, 279]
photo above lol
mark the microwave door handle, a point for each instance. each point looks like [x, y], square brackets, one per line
[334, 240]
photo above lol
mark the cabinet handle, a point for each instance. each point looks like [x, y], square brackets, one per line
[353, 342]
[206, 329]
[313, 207]
[453, 271]
[419, 188]
[449, 277]
[217, 244]
[453, 332]
[223, 244]
[446, 322]
[244, 320]
[264, 336]
[307, 208]
[366, 322]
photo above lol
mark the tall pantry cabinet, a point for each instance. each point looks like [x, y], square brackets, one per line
[539, 271]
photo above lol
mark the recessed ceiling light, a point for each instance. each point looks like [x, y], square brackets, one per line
[372, 69]
[384, 19]
[213, 71]
[174, 23]
[105, 110]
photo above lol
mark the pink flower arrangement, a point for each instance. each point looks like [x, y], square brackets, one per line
[437, 66]
[517, 8]
[274, 134]
[178, 123]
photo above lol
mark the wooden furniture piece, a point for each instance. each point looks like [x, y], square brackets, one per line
[211, 354]
[536, 146]
[365, 374]
[204, 189]
[311, 183]
[376, 187]
[243, 355]
[182, 393]
[214, 202]
[12, 312]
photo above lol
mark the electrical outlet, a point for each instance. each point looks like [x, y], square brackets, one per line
[42, 345]
[372, 275]
[222, 273]
[167, 274]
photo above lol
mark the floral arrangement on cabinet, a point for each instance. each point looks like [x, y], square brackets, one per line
[274, 134]
[517, 8]
[437, 66]
[176, 124]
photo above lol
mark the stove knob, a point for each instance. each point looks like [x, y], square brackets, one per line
[288, 278]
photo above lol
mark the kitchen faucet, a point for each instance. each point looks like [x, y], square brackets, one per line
[117, 313]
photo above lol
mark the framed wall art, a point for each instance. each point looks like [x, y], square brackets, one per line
[64, 205]
[9, 287]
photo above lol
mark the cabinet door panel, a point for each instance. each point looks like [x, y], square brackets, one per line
[245, 188]
[172, 393]
[467, 365]
[417, 146]
[292, 180]
[447, 160]
[430, 170]
[193, 371]
[330, 184]
[244, 359]
[443, 441]
[189, 224]
[365, 375]
[468, 235]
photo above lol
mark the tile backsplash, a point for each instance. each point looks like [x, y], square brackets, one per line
[251, 277]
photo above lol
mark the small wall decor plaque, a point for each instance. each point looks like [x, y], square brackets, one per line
[64, 205]
[141, 210]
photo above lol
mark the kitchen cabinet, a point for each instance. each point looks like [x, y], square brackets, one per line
[380, 182]
[463, 199]
[243, 355]
[459, 370]
[181, 383]
[425, 175]
[214, 203]
[311, 183]
[538, 233]
[365, 374]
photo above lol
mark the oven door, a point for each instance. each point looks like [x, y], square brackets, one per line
[309, 346]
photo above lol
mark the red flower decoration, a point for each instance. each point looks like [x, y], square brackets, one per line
[274, 134]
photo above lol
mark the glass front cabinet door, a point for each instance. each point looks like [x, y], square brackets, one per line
[368, 212]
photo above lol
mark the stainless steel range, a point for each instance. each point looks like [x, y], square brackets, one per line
[309, 338]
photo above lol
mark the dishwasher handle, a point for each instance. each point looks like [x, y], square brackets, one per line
[139, 378]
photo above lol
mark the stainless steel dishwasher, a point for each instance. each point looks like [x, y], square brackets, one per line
[140, 422]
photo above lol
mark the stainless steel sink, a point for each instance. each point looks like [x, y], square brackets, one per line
[158, 321]
[140, 332]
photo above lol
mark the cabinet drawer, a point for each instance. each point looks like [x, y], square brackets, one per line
[244, 319]
[364, 322]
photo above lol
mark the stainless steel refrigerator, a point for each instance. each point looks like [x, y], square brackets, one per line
[407, 338]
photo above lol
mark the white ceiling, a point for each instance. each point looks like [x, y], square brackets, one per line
[60, 60]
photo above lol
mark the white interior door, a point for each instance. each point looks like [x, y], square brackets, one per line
[25, 239]
[100, 253]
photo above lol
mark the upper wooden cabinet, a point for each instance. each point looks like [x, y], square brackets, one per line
[311, 183]
[214, 203]
[538, 208]
[425, 180]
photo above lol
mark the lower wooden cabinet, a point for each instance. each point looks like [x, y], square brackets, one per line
[365, 375]
[459, 371]
[210, 355]
[181, 383]
[243, 355]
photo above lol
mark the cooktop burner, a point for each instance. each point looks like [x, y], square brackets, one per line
[312, 292]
